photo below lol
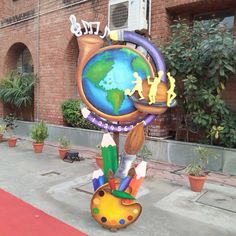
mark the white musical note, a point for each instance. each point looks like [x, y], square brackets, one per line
[75, 26]
[106, 32]
[88, 27]
[97, 23]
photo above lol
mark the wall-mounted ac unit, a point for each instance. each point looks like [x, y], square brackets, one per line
[127, 14]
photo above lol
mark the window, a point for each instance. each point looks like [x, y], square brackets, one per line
[24, 62]
[226, 18]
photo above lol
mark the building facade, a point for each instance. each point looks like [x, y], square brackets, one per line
[35, 37]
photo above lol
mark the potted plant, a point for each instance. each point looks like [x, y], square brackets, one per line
[10, 126]
[39, 133]
[99, 160]
[64, 146]
[196, 169]
[2, 130]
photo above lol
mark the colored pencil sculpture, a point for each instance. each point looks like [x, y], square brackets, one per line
[98, 179]
[109, 154]
[113, 202]
[137, 180]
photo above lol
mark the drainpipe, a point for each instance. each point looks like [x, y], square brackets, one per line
[150, 17]
[37, 99]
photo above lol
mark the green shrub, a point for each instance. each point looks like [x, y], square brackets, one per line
[39, 132]
[227, 136]
[73, 116]
[202, 56]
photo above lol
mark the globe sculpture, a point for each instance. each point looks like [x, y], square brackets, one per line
[108, 77]
[108, 74]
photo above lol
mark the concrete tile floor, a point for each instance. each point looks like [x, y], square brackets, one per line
[64, 190]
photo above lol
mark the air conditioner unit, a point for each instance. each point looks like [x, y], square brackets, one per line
[127, 14]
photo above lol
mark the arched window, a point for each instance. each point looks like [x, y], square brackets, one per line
[24, 63]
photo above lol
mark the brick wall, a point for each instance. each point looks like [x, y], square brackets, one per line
[57, 65]
[54, 50]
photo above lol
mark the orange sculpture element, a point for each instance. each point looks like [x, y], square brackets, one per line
[113, 212]
[155, 96]
[161, 95]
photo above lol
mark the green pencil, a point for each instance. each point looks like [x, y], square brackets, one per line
[109, 154]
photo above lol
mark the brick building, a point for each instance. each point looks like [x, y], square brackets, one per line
[35, 36]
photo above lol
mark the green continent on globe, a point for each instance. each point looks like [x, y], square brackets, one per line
[116, 98]
[128, 52]
[138, 63]
[98, 71]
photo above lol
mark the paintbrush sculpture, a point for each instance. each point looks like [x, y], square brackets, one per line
[111, 180]
[125, 181]
[125, 164]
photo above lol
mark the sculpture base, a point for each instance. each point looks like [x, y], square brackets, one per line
[113, 212]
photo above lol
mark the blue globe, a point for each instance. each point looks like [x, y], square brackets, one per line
[106, 76]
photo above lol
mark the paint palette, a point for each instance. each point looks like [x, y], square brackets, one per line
[112, 212]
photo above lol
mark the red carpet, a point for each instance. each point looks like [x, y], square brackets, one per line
[18, 218]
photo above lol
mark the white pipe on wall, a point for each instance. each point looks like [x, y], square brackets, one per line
[150, 17]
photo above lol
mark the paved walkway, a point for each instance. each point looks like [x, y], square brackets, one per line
[64, 190]
[165, 171]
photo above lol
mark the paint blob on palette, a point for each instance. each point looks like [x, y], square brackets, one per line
[113, 212]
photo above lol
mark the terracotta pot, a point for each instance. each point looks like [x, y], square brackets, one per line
[1, 137]
[38, 147]
[62, 152]
[196, 182]
[12, 142]
[99, 161]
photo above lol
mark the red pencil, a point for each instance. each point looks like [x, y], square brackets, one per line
[137, 180]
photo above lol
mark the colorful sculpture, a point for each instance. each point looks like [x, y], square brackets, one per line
[113, 204]
[122, 92]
